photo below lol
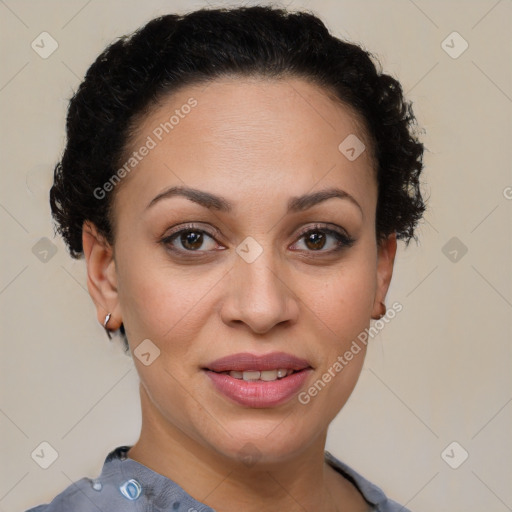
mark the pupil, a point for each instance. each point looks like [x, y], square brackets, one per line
[192, 240]
[318, 240]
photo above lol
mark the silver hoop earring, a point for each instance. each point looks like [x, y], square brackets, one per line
[107, 318]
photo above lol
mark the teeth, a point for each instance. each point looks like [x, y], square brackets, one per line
[269, 375]
[251, 375]
[265, 375]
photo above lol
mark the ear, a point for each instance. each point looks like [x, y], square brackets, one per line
[101, 275]
[386, 251]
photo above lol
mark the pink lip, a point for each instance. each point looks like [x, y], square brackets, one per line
[258, 394]
[245, 362]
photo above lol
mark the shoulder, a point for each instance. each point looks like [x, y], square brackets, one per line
[112, 491]
[85, 495]
[372, 493]
[74, 497]
[124, 485]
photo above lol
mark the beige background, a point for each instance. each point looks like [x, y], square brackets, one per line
[439, 372]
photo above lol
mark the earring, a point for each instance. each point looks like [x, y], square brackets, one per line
[107, 318]
[383, 310]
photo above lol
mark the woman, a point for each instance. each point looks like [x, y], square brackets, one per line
[237, 180]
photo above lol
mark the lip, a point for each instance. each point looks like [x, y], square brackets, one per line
[258, 394]
[246, 362]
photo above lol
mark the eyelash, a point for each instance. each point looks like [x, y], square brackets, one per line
[344, 241]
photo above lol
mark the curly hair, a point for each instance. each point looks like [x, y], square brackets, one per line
[172, 51]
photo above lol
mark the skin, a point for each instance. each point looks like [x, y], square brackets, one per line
[256, 142]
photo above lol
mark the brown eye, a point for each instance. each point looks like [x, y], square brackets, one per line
[190, 240]
[324, 240]
[315, 240]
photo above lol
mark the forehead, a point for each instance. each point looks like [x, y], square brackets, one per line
[253, 133]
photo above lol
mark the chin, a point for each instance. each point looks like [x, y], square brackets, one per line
[264, 442]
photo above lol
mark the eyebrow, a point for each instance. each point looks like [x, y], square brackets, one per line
[211, 201]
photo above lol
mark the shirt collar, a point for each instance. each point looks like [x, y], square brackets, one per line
[135, 480]
[371, 493]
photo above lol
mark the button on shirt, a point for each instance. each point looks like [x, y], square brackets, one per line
[126, 485]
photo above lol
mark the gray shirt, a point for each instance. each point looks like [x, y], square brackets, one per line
[125, 485]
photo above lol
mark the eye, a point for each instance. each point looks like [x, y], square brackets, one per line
[317, 238]
[190, 239]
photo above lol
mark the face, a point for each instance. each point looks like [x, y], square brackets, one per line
[267, 257]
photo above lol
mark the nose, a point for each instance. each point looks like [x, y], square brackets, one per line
[259, 295]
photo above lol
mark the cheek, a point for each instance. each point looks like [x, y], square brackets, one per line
[344, 301]
[163, 303]
[342, 312]
[170, 308]
[341, 308]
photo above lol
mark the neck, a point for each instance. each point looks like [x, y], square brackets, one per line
[302, 483]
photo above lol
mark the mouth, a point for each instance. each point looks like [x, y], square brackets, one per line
[260, 375]
[246, 362]
[258, 381]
